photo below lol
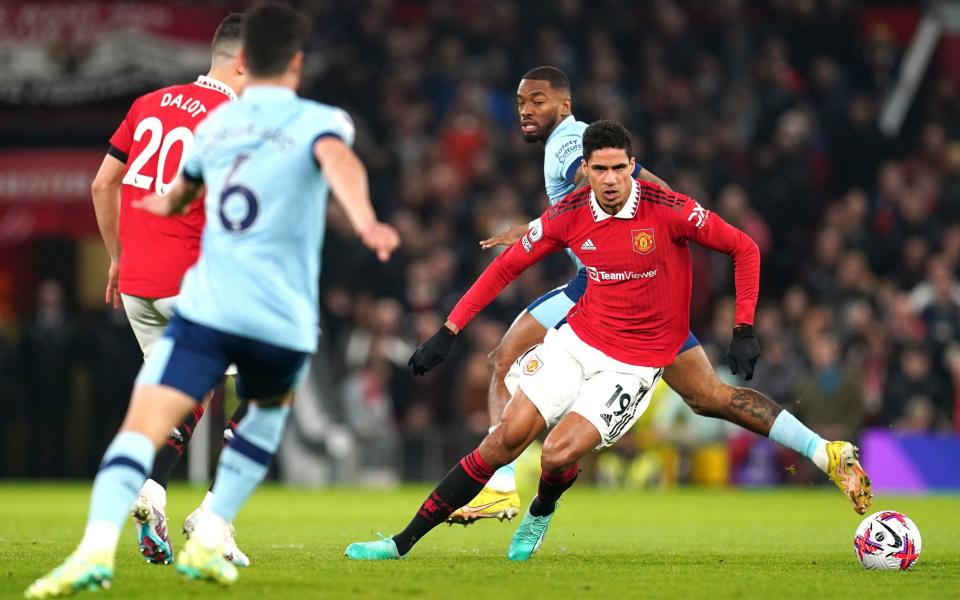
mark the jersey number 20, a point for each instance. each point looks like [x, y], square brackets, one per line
[161, 142]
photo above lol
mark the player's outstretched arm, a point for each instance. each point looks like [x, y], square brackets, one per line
[348, 181]
[175, 201]
[707, 229]
[105, 191]
[508, 237]
[539, 241]
[512, 235]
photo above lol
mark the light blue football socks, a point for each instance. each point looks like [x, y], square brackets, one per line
[245, 461]
[504, 479]
[788, 431]
[122, 472]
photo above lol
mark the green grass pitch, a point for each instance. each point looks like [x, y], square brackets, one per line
[711, 544]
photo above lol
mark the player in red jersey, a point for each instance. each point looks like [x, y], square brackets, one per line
[544, 102]
[149, 255]
[590, 379]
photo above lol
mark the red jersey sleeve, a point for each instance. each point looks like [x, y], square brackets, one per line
[697, 224]
[122, 139]
[544, 237]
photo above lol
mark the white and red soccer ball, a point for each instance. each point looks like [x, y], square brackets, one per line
[887, 540]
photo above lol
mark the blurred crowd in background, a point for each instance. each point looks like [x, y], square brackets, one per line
[764, 112]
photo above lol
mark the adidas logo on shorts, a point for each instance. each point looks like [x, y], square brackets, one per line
[606, 418]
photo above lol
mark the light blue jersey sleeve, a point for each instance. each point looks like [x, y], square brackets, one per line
[336, 123]
[567, 157]
[562, 155]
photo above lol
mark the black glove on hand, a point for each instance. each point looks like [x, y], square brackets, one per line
[432, 352]
[744, 351]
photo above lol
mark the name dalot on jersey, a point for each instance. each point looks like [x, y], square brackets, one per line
[188, 104]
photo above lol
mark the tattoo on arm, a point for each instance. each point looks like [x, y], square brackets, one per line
[750, 406]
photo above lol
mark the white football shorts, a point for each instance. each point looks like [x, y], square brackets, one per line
[148, 317]
[564, 374]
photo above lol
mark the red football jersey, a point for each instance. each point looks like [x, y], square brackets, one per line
[153, 140]
[637, 305]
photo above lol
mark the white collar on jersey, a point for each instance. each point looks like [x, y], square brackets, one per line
[629, 208]
[214, 84]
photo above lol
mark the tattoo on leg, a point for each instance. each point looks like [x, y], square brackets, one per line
[754, 410]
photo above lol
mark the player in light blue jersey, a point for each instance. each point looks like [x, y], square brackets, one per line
[544, 105]
[266, 162]
[562, 152]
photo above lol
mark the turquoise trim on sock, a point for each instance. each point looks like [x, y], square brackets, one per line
[790, 432]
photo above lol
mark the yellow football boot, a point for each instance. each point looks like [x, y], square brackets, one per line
[88, 571]
[196, 561]
[845, 471]
[488, 504]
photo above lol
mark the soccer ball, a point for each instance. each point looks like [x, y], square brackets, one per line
[887, 540]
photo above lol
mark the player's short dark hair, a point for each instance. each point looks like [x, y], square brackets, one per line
[275, 32]
[606, 134]
[557, 79]
[229, 33]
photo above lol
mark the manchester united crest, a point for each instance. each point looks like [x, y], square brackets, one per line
[643, 241]
[532, 365]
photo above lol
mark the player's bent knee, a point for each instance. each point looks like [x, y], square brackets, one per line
[709, 397]
[697, 405]
[557, 461]
[558, 456]
[500, 360]
[155, 409]
[500, 448]
[525, 333]
[494, 452]
[716, 398]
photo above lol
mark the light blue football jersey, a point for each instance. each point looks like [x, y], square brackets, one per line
[266, 200]
[561, 156]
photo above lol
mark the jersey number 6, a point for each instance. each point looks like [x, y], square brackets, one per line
[238, 204]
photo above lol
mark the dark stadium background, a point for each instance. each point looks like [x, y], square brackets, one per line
[776, 115]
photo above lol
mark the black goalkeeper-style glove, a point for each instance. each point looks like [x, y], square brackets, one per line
[744, 351]
[432, 352]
